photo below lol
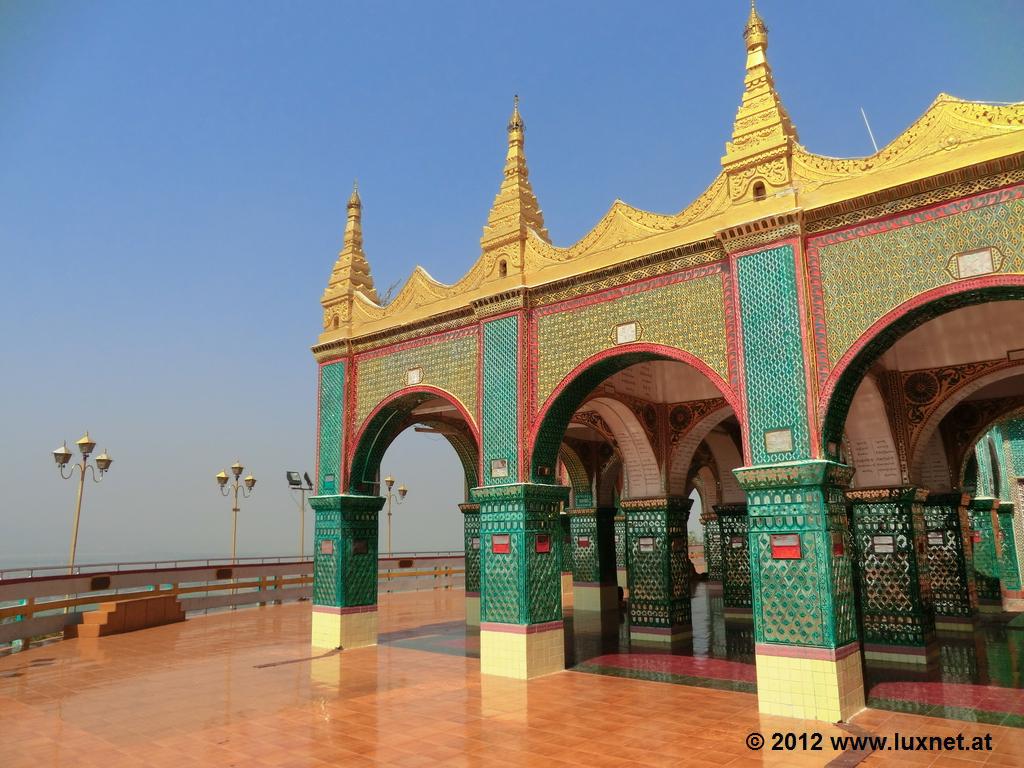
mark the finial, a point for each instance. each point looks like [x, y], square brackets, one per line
[353, 199]
[515, 123]
[755, 33]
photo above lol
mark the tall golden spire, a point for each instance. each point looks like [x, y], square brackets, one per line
[515, 209]
[351, 271]
[762, 134]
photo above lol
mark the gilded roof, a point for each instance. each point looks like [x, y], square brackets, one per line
[765, 172]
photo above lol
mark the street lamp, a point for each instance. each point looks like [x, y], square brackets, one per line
[389, 481]
[86, 445]
[232, 490]
[295, 484]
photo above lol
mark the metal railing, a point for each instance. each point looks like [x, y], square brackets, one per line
[39, 602]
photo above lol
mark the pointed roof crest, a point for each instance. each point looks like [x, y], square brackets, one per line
[515, 210]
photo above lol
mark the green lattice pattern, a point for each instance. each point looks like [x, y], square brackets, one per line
[522, 586]
[734, 553]
[472, 543]
[501, 398]
[986, 564]
[687, 315]
[950, 562]
[1009, 569]
[332, 406]
[595, 562]
[806, 602]
[986, 486]
[620, 542]
[895, 589]
[345, 550]
[659, 575]
[449, 364]
[713, 549]
[865, 277]
[959, 663]
[773, 361]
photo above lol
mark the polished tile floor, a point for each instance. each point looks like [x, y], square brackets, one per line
[241, 689]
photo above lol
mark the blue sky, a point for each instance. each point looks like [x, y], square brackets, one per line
[172, 188]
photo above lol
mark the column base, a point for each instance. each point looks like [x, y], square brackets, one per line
[900, 654]
[566, 582]
[954, 623]
[521, 651]
[809, 683]
[587, 596]
[344, 628]
[1013, 601]
[473, 609]
[659, 634]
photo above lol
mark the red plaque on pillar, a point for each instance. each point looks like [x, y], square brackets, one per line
[542, 543]
[786, 546]
[583, 542]
[501, 543]
[976, 537]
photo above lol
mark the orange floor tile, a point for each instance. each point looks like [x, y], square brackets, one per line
[241, 689]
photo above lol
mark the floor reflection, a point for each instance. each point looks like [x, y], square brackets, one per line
[976, 676]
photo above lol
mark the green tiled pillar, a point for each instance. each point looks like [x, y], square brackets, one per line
[659, 571]
[712, 545]
[897, 611]
[521, 633]
[1009, 563]
[805, 628]
[345, 571]
[471, 539]
[950, 560]
[591, 553]
[734, 537]
[620, 550]
[986, 562]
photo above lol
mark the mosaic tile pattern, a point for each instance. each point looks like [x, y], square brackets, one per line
[685, 314]
[472, 544]
[522, 586]
[867, 271]
[592, 545]
[659, 575]
[773, 360]
[895, 589]
[501, 404]
[986, 564]
[950, 559]
[345, 550]
[332, 406]
[734, 556]
[448, 363]
[808, 601]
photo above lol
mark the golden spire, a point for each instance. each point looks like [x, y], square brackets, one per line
[762, 130]
[515, 209]
[351, 271]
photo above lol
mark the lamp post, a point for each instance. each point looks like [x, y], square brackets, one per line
[389, 481]
[295, 483]
[62, 456]
[232, 490]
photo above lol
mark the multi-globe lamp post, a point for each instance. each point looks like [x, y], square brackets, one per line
[232, 490]
[86, 445]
